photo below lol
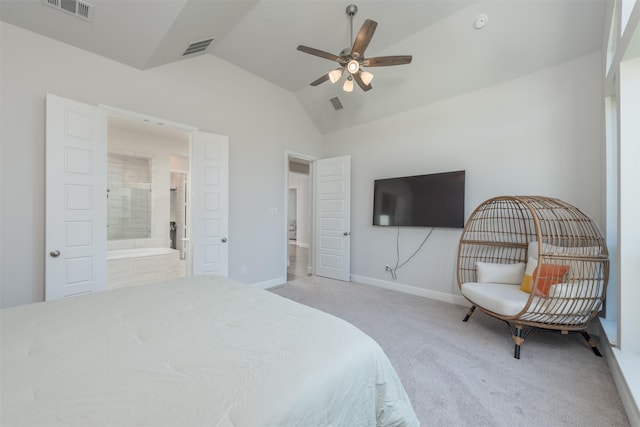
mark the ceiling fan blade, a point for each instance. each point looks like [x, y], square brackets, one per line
[319, 80]
[320, 53]
[358, 80]
[363, 38]
[382, 61]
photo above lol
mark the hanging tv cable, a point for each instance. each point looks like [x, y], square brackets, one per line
[398, 265]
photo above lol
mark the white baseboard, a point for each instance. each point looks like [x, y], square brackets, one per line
[270, 283]
[408, 289]
[621, 374]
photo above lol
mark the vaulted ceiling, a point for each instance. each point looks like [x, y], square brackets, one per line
[450, 56]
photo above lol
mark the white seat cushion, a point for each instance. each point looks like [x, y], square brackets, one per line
[509, 300]
[500, 298]
[488, 272]
[576, 290]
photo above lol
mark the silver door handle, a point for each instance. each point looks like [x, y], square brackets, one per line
[54, 254]
[223, 240]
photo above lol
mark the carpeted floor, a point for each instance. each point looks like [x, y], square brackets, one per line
[464, 374]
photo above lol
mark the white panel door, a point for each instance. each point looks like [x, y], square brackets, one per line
[76, 191]
[333, 221]
[210, 204]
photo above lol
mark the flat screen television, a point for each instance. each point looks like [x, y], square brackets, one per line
[434, 200]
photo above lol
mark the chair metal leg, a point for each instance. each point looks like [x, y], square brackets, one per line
[518, 340]
[469, 313]
[591, 343]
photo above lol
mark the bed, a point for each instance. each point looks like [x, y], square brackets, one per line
[192, 352]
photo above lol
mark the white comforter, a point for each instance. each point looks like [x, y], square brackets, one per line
[192, 352]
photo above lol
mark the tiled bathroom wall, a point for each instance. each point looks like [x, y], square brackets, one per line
[159, 152]
[129, 197]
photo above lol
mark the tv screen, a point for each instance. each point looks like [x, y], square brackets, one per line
[435, 200]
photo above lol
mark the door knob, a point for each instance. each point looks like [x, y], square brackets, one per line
[224, 240]
[54, 254]
[346, 233]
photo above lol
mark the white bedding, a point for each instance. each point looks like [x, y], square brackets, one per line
[192, 352]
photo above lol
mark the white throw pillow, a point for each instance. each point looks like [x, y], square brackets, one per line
[532, 263]
[512, 274]
[532, 251]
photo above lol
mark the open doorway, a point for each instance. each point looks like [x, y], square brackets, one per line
[147, 203]
[327, 213]
[299, 217]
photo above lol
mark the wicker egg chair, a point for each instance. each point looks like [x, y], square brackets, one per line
[504, 233]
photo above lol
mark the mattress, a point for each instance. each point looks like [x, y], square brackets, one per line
[192, 352]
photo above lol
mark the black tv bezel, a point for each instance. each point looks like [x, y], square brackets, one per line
[457, 221]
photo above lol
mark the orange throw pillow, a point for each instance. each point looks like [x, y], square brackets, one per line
[549, 274]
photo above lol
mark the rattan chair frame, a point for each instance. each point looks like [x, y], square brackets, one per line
[499, 231]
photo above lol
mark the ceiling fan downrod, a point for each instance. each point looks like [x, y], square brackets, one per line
[353, 65]
[352, 9]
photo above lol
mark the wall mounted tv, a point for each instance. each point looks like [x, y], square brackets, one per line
[435, 200]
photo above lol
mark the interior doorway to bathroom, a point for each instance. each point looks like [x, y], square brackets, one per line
[147, 203]
[76, 204]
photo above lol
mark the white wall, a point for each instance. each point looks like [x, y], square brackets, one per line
[622, 37]
[540, 134]
[629, 206]
[261, 120]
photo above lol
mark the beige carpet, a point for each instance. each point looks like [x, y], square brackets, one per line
[464, 374]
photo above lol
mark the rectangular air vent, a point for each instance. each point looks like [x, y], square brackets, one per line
[77, 8]
[337, 105]
[195, 47]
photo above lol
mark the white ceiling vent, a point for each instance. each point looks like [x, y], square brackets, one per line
[195, 47]
[76, 8]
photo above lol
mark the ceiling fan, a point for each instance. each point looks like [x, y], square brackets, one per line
[352, 58]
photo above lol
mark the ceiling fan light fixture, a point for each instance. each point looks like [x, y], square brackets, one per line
[366, 77]
[352, 58]
[348, 85]
[353, 66]
[335, 75]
